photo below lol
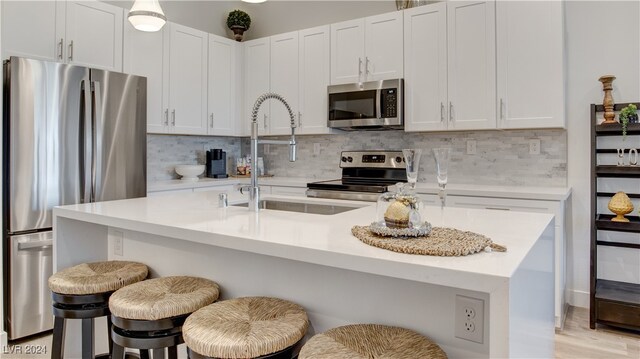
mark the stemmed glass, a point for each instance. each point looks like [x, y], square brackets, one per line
[412, 164]
[441, 156]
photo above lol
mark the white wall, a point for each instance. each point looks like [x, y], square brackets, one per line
[269, 18]
[602, 37]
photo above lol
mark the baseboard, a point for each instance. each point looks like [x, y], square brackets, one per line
[578, 298]
[3, 340]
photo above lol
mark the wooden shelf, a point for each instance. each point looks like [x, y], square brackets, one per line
[617, 304]
[610, 194]
[604, 223]
[618, 291]
[617, 171]
[615, 129]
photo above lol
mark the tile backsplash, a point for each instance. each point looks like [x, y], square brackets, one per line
[502, 157]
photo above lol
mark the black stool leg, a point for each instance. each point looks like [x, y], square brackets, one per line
[117, 352]
[144, 354]
[173, 352]
[158, 353]
[109, 325]
[88, 333]
[57, 351]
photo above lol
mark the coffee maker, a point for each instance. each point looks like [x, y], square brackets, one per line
[217, 163]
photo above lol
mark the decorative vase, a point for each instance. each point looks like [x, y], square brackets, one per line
[238, 32]
[607, 102]
[620, 204]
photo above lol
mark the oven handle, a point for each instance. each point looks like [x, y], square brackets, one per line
[378, 100]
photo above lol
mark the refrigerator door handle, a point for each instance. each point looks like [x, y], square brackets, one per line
[96, 120]
[85, 143]
[39, 244]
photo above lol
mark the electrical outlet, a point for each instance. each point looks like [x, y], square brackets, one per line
[117, 243]
[265, 149]
[534, 146]
[469, 318]
[471, 147]
[316, 148]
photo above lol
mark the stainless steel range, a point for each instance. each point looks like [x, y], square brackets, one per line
[365, 175]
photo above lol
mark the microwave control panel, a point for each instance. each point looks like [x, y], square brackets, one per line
[389, 103]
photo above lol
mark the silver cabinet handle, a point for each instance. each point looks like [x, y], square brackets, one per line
[501, 111]
[264, 125]
[299, 119]
[450, 111]
[71, 51]
[166, 117]
[173, 117]
[359, 69]
[211, 116]
[441, 112]
[60, 49]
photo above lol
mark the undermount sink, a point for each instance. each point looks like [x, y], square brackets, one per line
[301, 207]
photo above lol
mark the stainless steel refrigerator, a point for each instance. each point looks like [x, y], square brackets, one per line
[71, 135]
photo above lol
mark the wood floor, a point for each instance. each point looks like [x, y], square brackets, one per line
[576, 341]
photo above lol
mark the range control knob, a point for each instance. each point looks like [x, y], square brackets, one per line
[398, 159]
[350, 159]
[343, 159]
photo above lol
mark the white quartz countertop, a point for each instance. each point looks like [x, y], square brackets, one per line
[325, 239]
[518, 192]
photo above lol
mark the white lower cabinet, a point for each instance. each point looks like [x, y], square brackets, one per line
[556, 208]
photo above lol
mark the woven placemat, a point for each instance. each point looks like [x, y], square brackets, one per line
[442, 241]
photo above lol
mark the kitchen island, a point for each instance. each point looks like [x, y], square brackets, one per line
[315, 261]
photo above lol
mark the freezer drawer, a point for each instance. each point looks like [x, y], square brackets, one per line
[29, 298]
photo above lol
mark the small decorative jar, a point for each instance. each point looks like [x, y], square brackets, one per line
[399, 209]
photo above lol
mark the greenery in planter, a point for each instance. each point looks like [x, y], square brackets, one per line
[625, 114]
[239, 18]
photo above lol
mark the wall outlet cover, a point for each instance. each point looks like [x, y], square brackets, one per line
[316, 149]
[469, 318]
[534, 146]
[118, 239]
[471, 147]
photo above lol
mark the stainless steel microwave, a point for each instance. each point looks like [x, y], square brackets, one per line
[374, 105]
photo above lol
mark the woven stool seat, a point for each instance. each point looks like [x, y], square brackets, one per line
[370, 341]
[164, 297]
[98, 277]
[245, 327]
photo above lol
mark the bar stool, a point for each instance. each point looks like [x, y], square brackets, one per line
[370, 341]
[149, 315]
[251, 327]
[82, 292]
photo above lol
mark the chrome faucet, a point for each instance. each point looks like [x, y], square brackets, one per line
[254, 191]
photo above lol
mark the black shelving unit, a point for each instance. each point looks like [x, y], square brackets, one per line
[613, 303]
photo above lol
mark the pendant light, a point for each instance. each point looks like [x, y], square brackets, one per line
[147, 15]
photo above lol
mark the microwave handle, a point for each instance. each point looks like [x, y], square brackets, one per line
[378, 103]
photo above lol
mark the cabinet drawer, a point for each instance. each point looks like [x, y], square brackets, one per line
[508, 204]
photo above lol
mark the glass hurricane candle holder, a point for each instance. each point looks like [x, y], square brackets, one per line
[412, 164]
[441, 156]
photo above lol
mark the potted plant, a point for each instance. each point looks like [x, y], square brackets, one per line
[628, 115]
[239, 22]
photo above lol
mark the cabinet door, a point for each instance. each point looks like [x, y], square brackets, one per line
[33, 29]
[144, 55]
[530, 61]
[222, 86]
[314, 78]
[472, 65]
[256, 72]
[425, 57]
[94, 35]
[284, 81]
[347, 52]
[383, 47]
[188, 80]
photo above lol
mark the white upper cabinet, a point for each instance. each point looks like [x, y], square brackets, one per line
[31, 29]
[284, 81]
[425, 66]
[347, 51]
[472, 65]
[313, 80]
[383, 47]
[367, 49]
[87, 33]
[94, 34]
[223, 55]
[188, 80]
[530, 64]
[145, 55]
[256, 72]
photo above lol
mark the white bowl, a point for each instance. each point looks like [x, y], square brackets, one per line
[189, 173]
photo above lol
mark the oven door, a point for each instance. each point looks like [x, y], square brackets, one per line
[368, 106]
